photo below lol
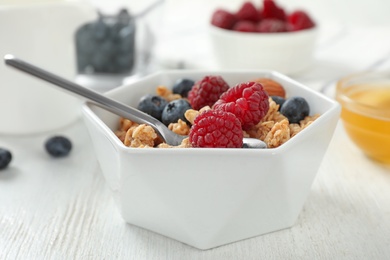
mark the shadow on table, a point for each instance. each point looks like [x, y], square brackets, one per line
[9, 173]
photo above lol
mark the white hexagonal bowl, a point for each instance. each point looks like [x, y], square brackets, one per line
[210, 197]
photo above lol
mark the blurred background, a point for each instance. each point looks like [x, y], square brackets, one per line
[183, 38]
[183, 31]
[347, 11]
[174, 34]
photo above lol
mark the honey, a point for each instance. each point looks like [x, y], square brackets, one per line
[366, 117]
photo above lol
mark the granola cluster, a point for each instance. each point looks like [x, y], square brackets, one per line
[166, 93]
[137, 135]
[142, 136]
[274, 129]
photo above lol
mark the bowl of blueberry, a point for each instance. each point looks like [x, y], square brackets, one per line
[212, 189]
[263, 36]
[116, 46]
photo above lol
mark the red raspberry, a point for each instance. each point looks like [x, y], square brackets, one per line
[300, 20]
[271, 10]
[271, 26]
[223, 19]
[248, 101]
[245, 26]
[248, 12]
[216, 128]
[207, 91]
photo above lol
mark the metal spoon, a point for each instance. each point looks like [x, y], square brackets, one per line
[109, 104]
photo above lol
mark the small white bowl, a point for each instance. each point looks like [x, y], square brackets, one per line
[286, 52]
[209, 197]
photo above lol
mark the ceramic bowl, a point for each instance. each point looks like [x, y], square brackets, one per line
[43, 35]
[208, 197]
[290, 53]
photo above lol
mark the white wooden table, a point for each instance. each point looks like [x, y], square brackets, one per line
[62, 208]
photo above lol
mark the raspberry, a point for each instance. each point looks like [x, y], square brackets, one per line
[248, 101]
[207, 91]
[223, 19]
[248, 12]
[272, 25]
[245, 26]
[300, 20]
[216, 129]
[271, 10]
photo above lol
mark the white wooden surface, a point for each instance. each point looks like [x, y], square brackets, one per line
[62, 208]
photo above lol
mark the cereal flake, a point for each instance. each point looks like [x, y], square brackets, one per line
[167, 94]
[180, 128]
[140, 136]
[278, 135]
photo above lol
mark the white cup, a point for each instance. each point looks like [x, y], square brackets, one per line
[42, 33]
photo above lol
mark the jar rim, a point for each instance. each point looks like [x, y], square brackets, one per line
[368, 78]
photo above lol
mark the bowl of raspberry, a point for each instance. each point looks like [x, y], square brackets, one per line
[214, 188]
[263, 37]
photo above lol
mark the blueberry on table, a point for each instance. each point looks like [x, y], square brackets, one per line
[5, 158]
[295, 109]
[152, 105]
[174, 111]
[58, 146]
[183, 86]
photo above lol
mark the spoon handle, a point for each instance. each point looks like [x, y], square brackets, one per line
[100, 100]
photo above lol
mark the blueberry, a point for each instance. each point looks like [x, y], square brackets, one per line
[295, 109]
[124, 63]
[100, 29]
[123, 17]
[106, 45]
[5, 158]
[152, 105]
[278, 100]
[126, 36]
[174, 111]
[183, 86]
[58, 146]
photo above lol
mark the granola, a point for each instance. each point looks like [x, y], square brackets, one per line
[278, 135]
[184, 144]
[273, 113]
[180, 128]
[274, 129]
[166, 93]
[190, 114]
[136, 135]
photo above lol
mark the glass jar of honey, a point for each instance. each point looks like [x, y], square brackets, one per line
[365, 101]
